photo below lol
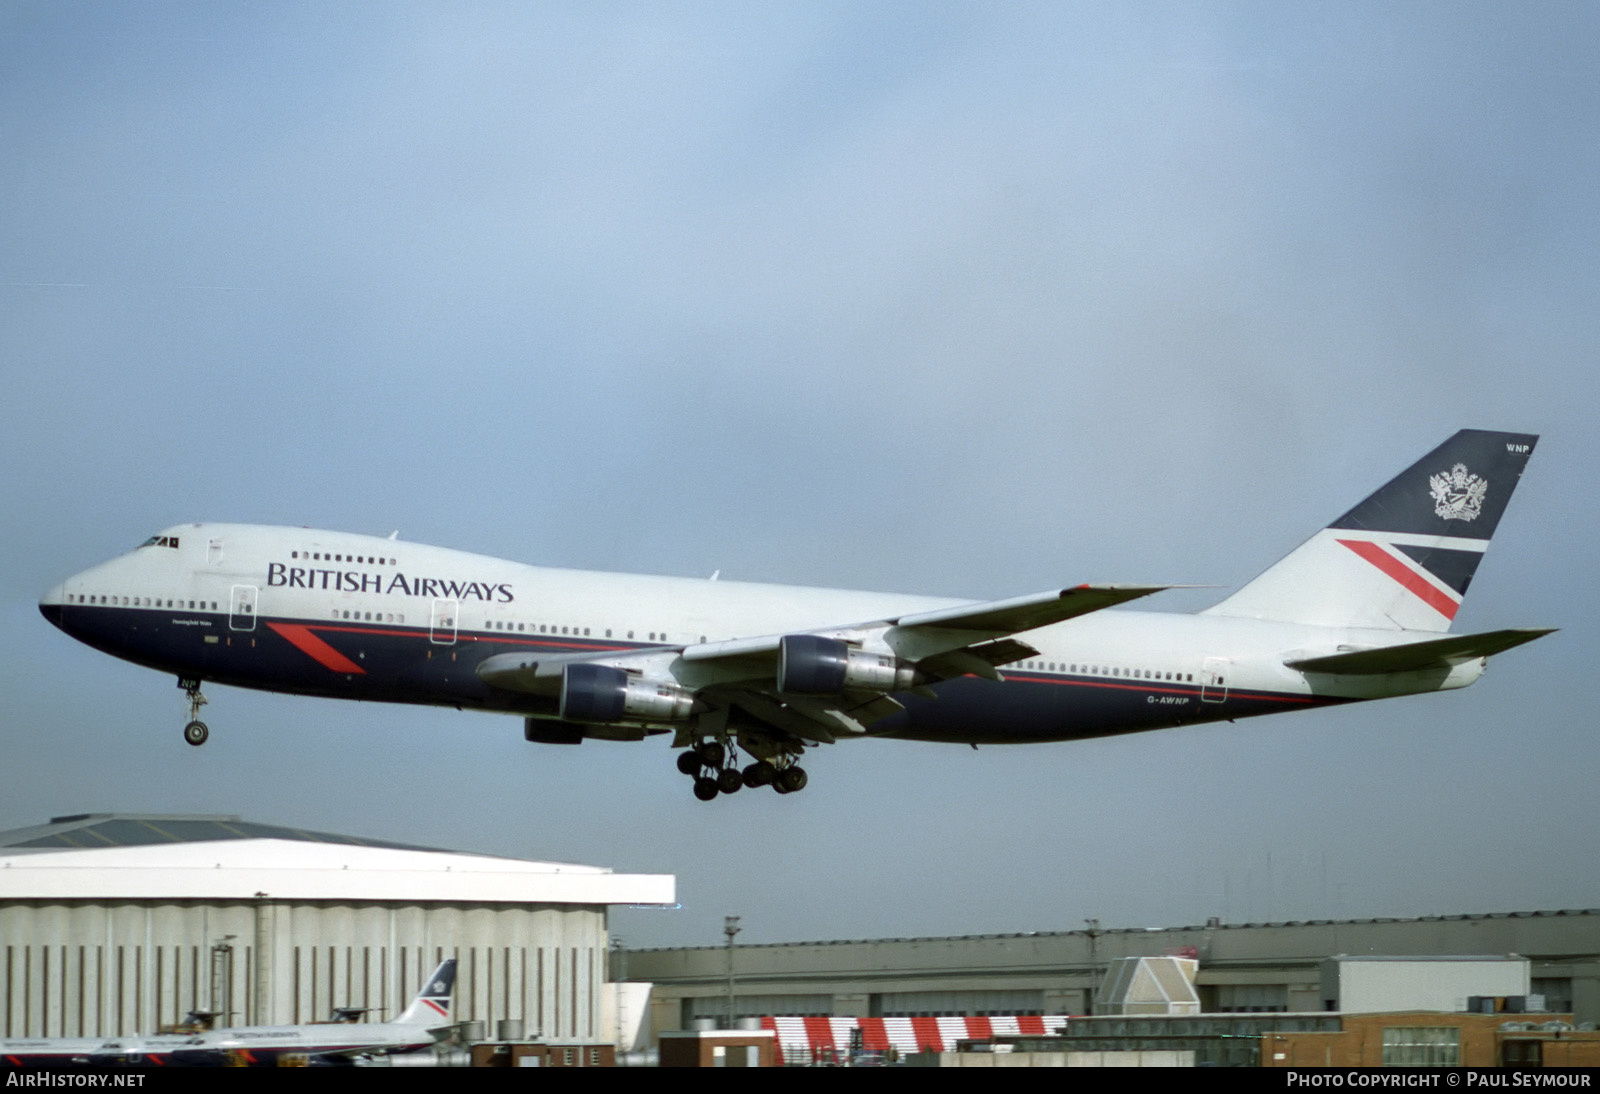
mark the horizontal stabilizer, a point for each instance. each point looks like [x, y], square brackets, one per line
[1418, 656]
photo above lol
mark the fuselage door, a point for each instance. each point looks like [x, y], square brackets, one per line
[442, 627]
[1214, 680]
[242, 608]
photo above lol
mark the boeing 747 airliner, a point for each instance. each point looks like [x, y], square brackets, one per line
[1359, 611]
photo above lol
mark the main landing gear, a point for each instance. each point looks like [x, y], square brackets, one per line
[195, 731]
[714, 769]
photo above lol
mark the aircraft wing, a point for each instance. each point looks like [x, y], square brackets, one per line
[1437, 653]
[541, 673]
[966, 629]
[873, 660]
[1026, 613]
[923, 634]
[837, 680]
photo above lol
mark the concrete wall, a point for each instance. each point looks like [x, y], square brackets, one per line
[92, 970]
[1066, 966]
[1366, 986]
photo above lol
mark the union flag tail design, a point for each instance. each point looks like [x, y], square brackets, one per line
[431, 1007]
[1403, 558]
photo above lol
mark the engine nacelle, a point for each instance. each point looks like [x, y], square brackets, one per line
[548, 731]
[600, 693]
[809, 664]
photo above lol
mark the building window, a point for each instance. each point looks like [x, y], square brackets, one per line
[1422, 1046]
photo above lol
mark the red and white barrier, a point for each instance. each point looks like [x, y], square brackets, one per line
[825, 1040]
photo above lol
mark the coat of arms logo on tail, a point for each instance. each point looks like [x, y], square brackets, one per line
[1457, 493]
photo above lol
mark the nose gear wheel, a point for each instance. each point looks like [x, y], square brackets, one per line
[194, 730]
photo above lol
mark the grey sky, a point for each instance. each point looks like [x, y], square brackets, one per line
[963, 299]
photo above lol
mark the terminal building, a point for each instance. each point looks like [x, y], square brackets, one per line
[113, 925]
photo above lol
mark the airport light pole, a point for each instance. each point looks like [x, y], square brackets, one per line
[730, 927]
[1094, 987]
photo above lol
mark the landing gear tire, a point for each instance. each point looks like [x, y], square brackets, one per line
[791, 779]
[712, 754]
[195, 731]
[705, 788]
[729, 780]
[689, 762]
[759, 774]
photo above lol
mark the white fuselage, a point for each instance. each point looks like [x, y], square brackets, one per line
[343, 615]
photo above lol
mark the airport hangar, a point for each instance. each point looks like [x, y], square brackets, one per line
[116, 924]
[1242, 967]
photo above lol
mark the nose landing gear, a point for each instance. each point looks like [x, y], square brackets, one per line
[195, 731]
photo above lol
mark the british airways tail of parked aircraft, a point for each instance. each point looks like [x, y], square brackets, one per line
[1362, 610]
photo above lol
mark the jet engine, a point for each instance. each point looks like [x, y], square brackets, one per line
[600, 693]
[809, 664]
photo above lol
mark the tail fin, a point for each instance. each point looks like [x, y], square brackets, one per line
[431, 1007]
[1403, 558]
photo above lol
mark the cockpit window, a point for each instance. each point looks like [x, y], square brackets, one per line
[161, 541]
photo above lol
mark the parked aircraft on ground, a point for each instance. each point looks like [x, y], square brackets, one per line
[1359, 611]
[90, 1052]
[421, 1024]
[418, 1026]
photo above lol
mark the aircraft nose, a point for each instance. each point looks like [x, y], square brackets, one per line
[52, 604]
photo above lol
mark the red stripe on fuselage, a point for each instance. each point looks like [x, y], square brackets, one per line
[1413, 582]
[476, 636]
[300, 637]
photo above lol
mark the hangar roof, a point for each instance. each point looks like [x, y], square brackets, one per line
[137, 829]
[1213, 927]
[315, 866]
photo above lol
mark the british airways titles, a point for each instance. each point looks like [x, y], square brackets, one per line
[354, 581]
